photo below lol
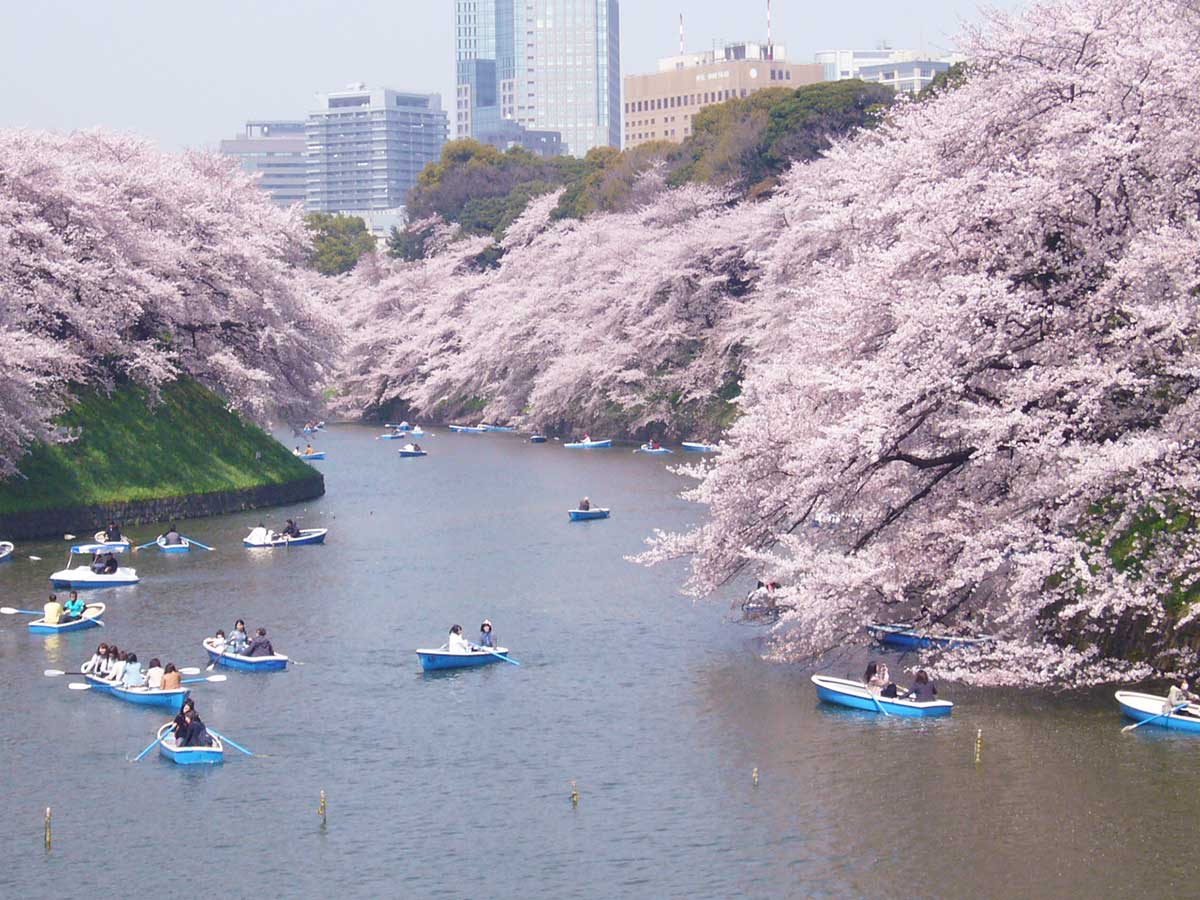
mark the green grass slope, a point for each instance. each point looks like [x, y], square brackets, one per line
[132, 449]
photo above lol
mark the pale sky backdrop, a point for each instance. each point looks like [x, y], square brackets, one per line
[187, 74]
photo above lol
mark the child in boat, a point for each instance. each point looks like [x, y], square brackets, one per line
[154, 675]
[52, 612]
[456, 643]
[260, 646]
[93, 665]
[73, 608]
[238, 639]
[923, 690]
[485, 634]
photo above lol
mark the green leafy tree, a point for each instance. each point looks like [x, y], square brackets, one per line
[338, 241]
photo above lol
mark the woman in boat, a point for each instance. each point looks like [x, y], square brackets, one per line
[195, 734]
[133, 676]
[73, 608]
[259, 646]
[1179, 695]
[456, 642]
[923, 690]
[52, 611]
[189, 706]
[93, 665]
[104, 664]
[238, 639]
[485, 635]
[878, 679]
[585, 504]
[218, 641]
[171, 678]
[154, 675]
[116, 672]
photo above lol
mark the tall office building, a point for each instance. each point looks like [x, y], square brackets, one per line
[660, 106]
[366, 148]
[274, 150]
[547, 65]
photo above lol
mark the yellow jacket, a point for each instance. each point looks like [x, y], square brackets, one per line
[53, 612]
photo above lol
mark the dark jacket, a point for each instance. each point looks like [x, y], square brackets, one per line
[259, 646]
[923, 693]
[196, 735]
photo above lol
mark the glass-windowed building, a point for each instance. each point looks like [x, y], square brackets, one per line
[273, 150]
[546, 65]
[365, 148]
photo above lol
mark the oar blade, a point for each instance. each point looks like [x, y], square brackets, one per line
[190, 670]
[79, 686]
[53, 673]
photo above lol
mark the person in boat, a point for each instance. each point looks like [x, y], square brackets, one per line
[655, 445]
[219, 643]
[98, 564]
[296, 452]
[52, 611]
[110, 565]
[172, 538]
[485, 635]
[456, 643]
[878, 680]
[417, 447]
[585, 504]
[195, 734]
[133, 676]
[93, 665]
[154, 674]
[308, 450]
[1179, 694]
[171, 678]
[73, 608]
[587, 438]
[923, 689]
[105, 663]
[238, 639]
[116, 672]
[259, 645]
[759, 597]
[112, 534]
[291, 529]
[180, 729]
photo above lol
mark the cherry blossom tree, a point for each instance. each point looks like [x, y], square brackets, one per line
[118, 261]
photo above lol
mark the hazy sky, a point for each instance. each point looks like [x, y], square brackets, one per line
[188, 74]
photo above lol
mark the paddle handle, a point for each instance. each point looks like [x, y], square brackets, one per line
[231, 743]
[1174, 709]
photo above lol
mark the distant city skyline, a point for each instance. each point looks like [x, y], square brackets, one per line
[190, 76]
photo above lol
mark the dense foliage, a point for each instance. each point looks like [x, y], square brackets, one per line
[338, 242]
[121, 263]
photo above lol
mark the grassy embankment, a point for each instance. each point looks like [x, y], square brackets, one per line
[130, 449]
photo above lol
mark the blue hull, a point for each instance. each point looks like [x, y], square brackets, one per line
[915, 640]
[294, 542]
[661, 451]
[393, 437]
[172, 700]
[88, 585]
[191, 756]
[466, 429]
[537, 439]
[584, 515]
[690, 447]
[437, 662]
[412, 454]
[502, 428]
[266, 664]
[1173, 722]
[77, 625]
[854, 695]
[310, 457]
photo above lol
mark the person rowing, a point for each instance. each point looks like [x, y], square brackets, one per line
[172, 538]
[95, 665]
[259, 645]
[112, 534]
[923, 689]
[73, 608]
[485, 635]
[291, 529]
[585, 504]
[194, 733]
[1179, 695]
[189, 705]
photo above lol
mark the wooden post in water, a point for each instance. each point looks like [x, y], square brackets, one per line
[574, 794]
[321, 808]
[978, 745]
[754, 775]
[47, 835]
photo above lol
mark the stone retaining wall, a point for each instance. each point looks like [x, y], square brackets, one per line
[83, 520]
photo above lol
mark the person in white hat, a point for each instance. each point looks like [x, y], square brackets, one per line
[485, 634]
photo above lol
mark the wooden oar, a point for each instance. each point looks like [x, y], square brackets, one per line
[195, 543]
[1152, 718]
[229, 741]
[9, 611]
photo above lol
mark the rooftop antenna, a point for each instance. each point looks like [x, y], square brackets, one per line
[770, 46]
[681, 33]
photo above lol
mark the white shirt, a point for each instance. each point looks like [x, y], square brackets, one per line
[458, 644]
[154, 678]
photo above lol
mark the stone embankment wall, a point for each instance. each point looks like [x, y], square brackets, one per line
[83, 520]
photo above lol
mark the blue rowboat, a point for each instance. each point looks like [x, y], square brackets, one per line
[403, 426]
[141, 696]
[263, 537]
[276, 663]
[588, 445]
[657, 451]
[583, 515]
[395, 437]
[182, 547]
[189, 756]
[309, 457]
[1143, 707]
[6, 551]
[406, 452]
[90, 619]
[467, 429]
[504, 428]
[903, 636]
[441, 658]
[693, 447]
[855, 694]
[537, 439]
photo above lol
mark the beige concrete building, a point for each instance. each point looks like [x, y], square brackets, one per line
[660, 106]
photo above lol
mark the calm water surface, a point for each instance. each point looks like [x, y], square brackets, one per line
[457, 785]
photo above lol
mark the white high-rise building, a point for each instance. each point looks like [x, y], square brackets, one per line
[274, 150]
